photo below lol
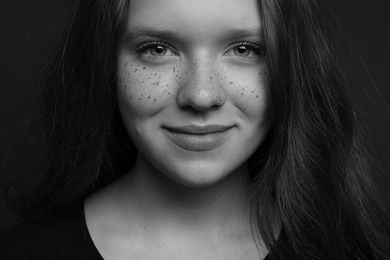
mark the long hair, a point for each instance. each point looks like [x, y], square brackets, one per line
[86, 144]
[312, 194]
[314, 178]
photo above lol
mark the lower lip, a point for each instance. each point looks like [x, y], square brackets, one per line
[195, 142]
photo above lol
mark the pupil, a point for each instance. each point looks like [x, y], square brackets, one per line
[159, 49]
[242, 49]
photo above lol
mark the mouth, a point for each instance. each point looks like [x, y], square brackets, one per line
[199, 130]
[198, 138]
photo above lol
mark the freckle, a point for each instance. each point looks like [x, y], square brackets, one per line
[144, 68]
[131, 97]
[155, 100]
[230, 82]
[139, 98]
[242, 94]
[257, 96]
[211, 77]
[157, 83]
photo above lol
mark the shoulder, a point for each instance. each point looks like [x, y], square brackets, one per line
[53, 237]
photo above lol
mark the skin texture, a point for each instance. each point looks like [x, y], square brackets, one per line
[186, 63]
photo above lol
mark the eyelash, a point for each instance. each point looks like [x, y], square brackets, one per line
[144, 46]
[257, 47]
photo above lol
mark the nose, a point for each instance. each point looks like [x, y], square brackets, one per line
[201, 89]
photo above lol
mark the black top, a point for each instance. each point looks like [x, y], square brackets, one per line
[64, 237]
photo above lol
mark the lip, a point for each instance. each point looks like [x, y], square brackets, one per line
[198, 138]
[199, 130]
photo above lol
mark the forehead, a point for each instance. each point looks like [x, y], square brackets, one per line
[194, 17]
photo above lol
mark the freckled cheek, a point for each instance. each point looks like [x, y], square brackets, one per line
[250, 92]
[143, 90]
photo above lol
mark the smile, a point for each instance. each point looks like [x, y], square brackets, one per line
[198, 138]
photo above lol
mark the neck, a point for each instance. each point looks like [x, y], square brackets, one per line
[147, 207]
[162, 200]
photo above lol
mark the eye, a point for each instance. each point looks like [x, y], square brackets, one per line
[242, 50]
[245, 50]
[156, 49]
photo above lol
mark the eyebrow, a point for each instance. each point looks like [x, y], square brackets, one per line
[232, 33]
[242, 33]
[151, 32]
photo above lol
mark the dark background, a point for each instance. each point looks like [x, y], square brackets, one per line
[29, 29]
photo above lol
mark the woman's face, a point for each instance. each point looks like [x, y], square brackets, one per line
[192, 86]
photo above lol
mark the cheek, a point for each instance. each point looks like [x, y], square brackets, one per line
[248, 89]
[143, 89]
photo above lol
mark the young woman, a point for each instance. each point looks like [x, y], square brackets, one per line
[200, 129]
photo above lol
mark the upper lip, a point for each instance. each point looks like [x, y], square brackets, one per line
[197, 129]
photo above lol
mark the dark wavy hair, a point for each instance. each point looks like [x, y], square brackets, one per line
[311, 177]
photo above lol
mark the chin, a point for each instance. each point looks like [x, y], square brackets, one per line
[203, 176]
